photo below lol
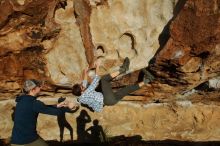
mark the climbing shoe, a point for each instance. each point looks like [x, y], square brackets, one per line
[148, 77]
[125, 65]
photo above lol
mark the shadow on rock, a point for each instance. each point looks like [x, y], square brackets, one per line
[130, 141]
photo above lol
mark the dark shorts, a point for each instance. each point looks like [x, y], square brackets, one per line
[38, 142]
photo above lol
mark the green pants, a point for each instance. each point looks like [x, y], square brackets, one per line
[38, 142]
[110, 97]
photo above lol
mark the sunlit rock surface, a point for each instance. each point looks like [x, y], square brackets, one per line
[55, 40]
[156, 121]
[73, 38]
[130, 28]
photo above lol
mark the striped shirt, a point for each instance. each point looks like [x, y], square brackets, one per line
[91, 97]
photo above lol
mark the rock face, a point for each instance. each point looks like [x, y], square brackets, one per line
[180, 121]
[189, 57]
[67, 42]
[178, 41]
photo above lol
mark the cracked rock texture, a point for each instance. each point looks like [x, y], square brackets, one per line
[178, 41]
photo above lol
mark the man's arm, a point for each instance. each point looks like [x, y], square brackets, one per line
[84, 78]
[40, 107]
[84, 75]
[96, 78]
[72, 106]
[94, 84]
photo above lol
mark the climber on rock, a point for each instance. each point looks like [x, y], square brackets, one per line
[96, 100]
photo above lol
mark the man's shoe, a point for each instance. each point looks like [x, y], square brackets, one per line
[125, 65]
[148, 77]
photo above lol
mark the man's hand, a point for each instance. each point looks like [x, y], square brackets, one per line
[97, 65]
[73, 105]
[85, 73]
[69, 104]
[62, 104]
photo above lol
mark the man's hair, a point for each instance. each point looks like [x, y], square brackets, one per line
[76, 90]
[30, 84]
